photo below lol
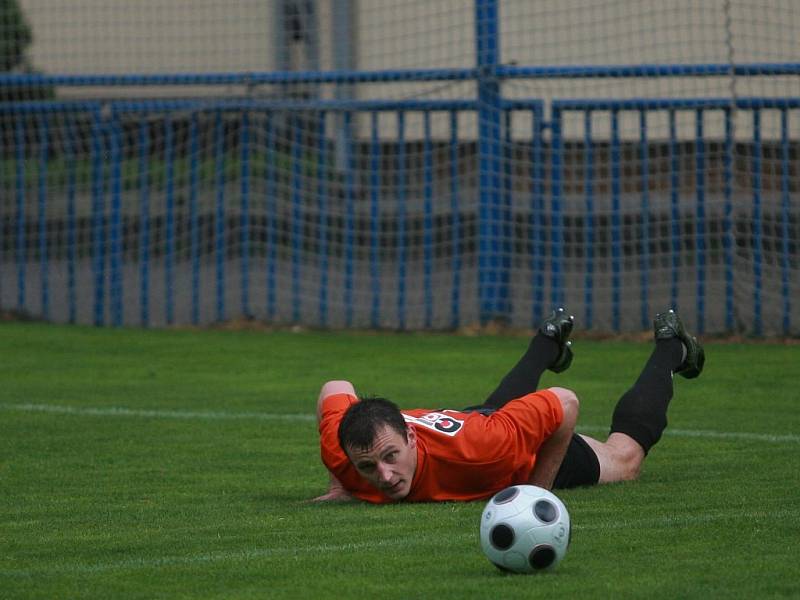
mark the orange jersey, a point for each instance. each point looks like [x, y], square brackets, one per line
[460, 456]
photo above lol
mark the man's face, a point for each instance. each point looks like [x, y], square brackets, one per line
[389, 464]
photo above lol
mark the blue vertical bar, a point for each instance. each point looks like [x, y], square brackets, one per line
[674, 184]
[427, 220]
[219, 237]
[194, 217]
[455, 214]
[727, 220]
[322, 221]
[297, 201]
[98, 219]
[616, 236]
[169, 260]
[349, 218]
[538, 216]
[244, 217]
[116, 221]
[493, 265]
[785, 216]
[644, 260]
[700, 219]
[144, 222]
[42, 221]
[69, 150]
[374, 245]
[589, 175]
[271, 212]
[402, 176]
[757, 273]
[556, 225]
[21, 245]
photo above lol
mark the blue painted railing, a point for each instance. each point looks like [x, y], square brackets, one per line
[547, 207]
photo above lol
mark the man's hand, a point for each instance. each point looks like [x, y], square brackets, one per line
[336, 492]
[334, 496]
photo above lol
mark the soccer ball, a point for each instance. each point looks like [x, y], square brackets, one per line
[525, 529]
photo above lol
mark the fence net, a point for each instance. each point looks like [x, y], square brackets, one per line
[409, 165]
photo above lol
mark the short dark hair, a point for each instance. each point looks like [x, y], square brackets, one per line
[362, 421]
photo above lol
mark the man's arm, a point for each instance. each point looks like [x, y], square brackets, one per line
[551, 452]
[336, 491]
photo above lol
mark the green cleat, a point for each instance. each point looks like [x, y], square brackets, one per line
[558, 326]
[669, 325]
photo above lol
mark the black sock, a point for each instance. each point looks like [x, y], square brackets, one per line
[524, 378]
[641, 412]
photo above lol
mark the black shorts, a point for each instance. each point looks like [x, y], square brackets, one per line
[580, 465]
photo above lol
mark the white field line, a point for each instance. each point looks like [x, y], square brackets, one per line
[115, 411]
[245, 555]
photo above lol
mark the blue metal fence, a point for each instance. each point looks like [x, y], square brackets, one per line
[545, 256]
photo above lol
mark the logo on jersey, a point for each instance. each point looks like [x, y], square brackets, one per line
[438, 422]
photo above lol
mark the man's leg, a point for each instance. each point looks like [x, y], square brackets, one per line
[640, 416]
[549, 349]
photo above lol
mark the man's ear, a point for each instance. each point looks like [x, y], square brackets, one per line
[411, 435]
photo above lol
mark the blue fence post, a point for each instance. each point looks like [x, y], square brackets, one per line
[219, 238]
[271, 202]
[589, 176]
[727, 222]
[349, 216]
[493, 265]
[674, 185]
[296, 215]
[700, 218]
[69, 151]
[98, 217]
[537, 216]
[427, 229]
[556, 198]
[244, 216]
[785, 218]
[757, 272]
[644, 261]
[116, 220]
[144, 222]
[322, 220]
[21, 245]
[374, 238]
[455, 297]
[42, 217]
[194, 217]
[169, 258]
[401, 220]
[616, 226]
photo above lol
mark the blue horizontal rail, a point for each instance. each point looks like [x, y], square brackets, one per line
[646, 70]
[744, 103]
[400, 75]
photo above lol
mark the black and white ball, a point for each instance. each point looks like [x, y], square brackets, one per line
[525, 529]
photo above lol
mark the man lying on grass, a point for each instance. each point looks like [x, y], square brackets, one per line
[378, 453]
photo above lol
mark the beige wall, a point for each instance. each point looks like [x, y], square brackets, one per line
[166, 36]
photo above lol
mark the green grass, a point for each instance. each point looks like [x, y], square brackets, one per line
[156, 464]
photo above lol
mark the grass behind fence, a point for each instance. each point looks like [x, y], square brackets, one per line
[147, 464]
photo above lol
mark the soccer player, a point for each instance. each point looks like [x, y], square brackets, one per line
[378, 453]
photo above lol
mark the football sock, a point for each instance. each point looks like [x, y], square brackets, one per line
[641, 412]
[524, 377]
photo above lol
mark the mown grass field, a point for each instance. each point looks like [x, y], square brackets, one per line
[177, 464]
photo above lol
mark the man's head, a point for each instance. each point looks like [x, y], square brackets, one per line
[382, 448]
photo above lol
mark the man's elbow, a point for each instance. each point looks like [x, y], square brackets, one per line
[331, 388]
[570, 406]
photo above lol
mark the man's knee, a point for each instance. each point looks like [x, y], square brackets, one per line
[624, 458]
